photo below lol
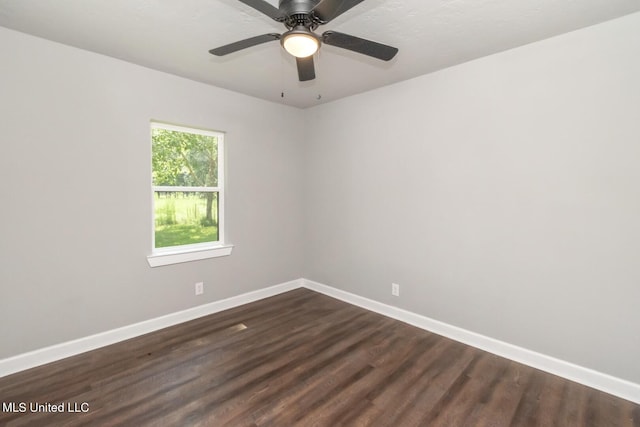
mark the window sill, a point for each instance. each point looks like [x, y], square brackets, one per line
[167, 258]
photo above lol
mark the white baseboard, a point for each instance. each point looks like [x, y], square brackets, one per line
[603, 382]
[71, 348]
[607, 383]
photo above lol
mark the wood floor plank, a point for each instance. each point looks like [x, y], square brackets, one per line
[403, 391]
[436, 388]
[303, 359]
[499, 403]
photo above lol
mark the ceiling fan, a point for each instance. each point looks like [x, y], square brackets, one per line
[302, 17]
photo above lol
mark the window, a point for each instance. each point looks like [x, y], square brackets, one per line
[188, 194]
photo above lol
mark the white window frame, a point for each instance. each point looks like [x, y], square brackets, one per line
[197, 251]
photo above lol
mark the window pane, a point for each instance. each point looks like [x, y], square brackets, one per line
[184, 218]
[184, 159]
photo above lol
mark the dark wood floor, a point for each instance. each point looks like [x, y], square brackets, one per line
[302, 359]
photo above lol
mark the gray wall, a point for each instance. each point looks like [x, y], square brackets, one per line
[75, 215]
[502, 195]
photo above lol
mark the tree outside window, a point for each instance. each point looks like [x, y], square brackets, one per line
[186, 172]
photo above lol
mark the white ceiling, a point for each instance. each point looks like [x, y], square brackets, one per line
[175, 36]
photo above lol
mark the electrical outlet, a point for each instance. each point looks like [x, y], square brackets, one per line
[395, 289]
[199, 288]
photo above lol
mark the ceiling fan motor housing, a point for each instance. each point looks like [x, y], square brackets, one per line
[292, 7]
[298, 13]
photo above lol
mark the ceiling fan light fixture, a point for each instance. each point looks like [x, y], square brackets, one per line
[302, 18]
[300, 43]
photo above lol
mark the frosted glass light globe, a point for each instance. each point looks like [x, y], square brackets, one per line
[300, 45]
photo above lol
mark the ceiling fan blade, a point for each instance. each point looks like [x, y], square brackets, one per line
[243, 44]
[356, 44]
[327, 10]
[306, 70]
[266, 8]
